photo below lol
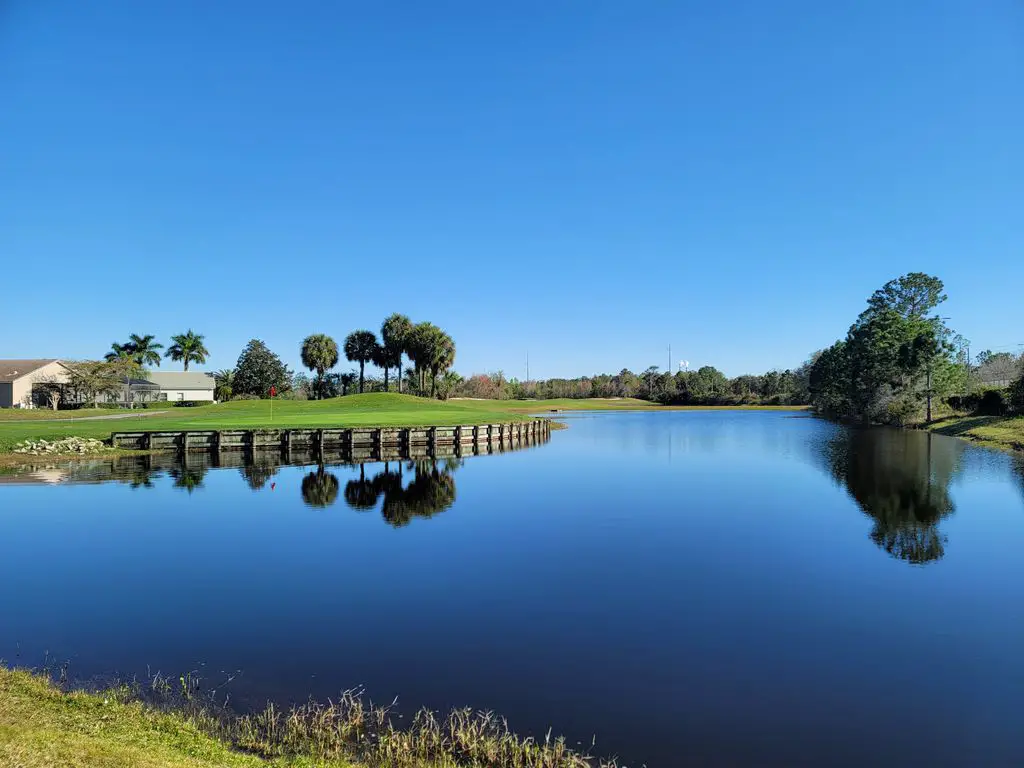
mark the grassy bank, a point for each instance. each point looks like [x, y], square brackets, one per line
[42, 725]
[1006, 433]
[353, 411]
[369, 410]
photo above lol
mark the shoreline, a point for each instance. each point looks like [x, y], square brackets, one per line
[165, 723]
[1003, 433]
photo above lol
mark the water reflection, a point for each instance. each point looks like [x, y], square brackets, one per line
[258, 473]
[901, 479]
[430, 491]
[188, 478]
[320, 488]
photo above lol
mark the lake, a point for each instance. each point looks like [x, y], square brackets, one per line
[696, 587]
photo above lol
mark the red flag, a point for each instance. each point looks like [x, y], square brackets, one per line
[273, 391]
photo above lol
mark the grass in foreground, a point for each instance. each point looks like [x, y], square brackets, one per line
[1002, 432]
[41, 725]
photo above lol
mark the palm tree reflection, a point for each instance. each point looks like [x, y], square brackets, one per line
[320, 488]
[258, 473]
[430, 491]
[362, 493]
[188, 478]
[901, 480]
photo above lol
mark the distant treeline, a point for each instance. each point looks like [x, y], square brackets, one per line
[704, 386]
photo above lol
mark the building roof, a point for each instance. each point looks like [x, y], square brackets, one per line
[11, 370]
[182, 379]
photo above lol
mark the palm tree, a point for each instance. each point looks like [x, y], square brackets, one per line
[442, 358]
[361, 347]
[381, 360]
[420, 344]
[346, 380]
[393, 334]
[120, 353]
[320, 354]
[188, 348]
[145, 349]
[225, 380]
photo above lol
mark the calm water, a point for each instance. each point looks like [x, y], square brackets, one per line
[693, 588]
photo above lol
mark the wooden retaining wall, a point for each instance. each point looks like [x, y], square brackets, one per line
[359, 443]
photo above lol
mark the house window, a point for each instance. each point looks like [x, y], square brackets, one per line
[162, 397]
[181, 397]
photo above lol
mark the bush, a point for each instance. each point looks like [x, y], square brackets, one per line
[901, 411]
[191, 403]
[994, 402]
[245, 397]
[1016, 396]
[988, 402]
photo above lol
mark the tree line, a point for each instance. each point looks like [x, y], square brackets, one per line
[430, 350]
[705, 386]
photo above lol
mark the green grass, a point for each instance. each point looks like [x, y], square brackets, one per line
[45, 414]
[1006, 433]
[42, 725]
[378, 409]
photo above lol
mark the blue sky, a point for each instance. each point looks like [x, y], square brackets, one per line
[589, 181]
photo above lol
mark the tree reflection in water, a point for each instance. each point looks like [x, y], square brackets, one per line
[901, 479]
[258, 473]
[430, 491]
[188, 478]
[320, 488]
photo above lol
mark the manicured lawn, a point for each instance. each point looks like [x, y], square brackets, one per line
[376, 409]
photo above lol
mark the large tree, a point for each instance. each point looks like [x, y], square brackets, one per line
[258, 369]
[421, 347]
[188, 348]
[89, 379]
[895, 358]
[320, 354]
[911, 296]
[361, 347]
[394, 333]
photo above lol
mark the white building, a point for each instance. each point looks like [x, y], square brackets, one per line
[183, 385]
